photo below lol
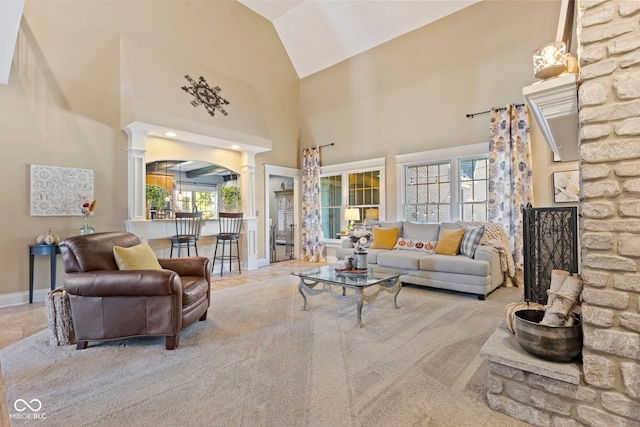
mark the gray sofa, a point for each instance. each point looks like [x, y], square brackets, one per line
[478, 275]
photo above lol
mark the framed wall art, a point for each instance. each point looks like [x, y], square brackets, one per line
[58, 191]
[566, 187]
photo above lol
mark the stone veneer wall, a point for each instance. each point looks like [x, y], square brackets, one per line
[606, 392]
[609, 97]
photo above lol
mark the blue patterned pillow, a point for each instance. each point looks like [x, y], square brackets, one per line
[470, 241]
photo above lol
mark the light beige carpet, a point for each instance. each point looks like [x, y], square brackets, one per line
[259, 360]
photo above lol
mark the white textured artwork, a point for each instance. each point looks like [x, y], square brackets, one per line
[57, 191]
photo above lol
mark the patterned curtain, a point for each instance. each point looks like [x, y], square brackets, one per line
[510, 174]
[312, 236]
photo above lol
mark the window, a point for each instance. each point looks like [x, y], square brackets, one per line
[331, 204]
[354, 185]
[364, 194]
[474, 189]
[202, 201]
[445, 185]
[428, 193]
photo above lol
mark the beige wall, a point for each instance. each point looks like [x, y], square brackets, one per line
[408, 95]
[63, 107]
[412, 94]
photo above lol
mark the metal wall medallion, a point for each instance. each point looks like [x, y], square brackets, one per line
[205, 95]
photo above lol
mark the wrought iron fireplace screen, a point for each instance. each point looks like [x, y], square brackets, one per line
[550, 243]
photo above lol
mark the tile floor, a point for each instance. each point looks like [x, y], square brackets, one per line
[20, 321]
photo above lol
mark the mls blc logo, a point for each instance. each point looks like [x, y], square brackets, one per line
[22, 406]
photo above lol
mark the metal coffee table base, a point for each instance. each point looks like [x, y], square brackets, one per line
[392, 286]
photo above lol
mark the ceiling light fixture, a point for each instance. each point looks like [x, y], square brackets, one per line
[170, 134]
[235, 147]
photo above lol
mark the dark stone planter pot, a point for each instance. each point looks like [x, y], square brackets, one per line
[556, 343]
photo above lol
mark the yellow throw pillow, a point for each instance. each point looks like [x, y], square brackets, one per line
[449, 242]
[384, 238]
[139, 257]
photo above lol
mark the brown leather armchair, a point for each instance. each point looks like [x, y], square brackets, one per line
[108, 303]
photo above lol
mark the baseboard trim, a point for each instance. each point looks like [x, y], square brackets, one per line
[19, 298]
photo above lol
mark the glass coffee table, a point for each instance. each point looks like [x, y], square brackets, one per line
[328, 277]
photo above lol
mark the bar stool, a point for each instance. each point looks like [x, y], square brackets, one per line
[187, 232]
[230, 227]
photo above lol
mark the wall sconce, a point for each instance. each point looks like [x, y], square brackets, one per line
[351, 214]
[550, 60]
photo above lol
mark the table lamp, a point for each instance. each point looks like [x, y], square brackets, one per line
[351, 214]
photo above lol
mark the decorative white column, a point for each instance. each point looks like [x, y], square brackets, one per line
[248, 198]
[136, 174]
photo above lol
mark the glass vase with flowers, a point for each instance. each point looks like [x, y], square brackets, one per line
[87, 211]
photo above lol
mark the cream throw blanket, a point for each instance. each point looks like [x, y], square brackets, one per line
[495, 236]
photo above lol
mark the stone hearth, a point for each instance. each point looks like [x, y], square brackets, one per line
[537, 391]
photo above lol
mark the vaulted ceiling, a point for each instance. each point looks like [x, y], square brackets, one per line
[320, 33]
[316, 33]
[10, 14]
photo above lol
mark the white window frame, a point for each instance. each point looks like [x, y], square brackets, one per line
[345, 169]
[453, 155]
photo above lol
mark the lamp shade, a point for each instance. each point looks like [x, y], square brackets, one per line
[550, 60]
[352, 214]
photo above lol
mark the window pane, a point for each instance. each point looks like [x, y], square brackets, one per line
[432, 213]
[445, 172]
[467, 212]
[480, 192]
[480, 214]
[412, 195]
[421, 213]
[422, 194]
[412, 174]
[410, 213]
[466, 191]
[433, 173]
[466, 170]
[207, 202]
[444, 213]
[422, 175]
[445, 194]
[371, 213]
[481, 169]
[433, 193]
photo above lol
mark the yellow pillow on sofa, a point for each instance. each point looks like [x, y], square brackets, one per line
[384, 238]
[138, 257]
[449, 242]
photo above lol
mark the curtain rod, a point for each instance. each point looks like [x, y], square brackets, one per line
[470, 115]
[325, 145]
[331, 144]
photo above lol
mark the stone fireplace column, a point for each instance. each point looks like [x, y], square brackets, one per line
[609, 97]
